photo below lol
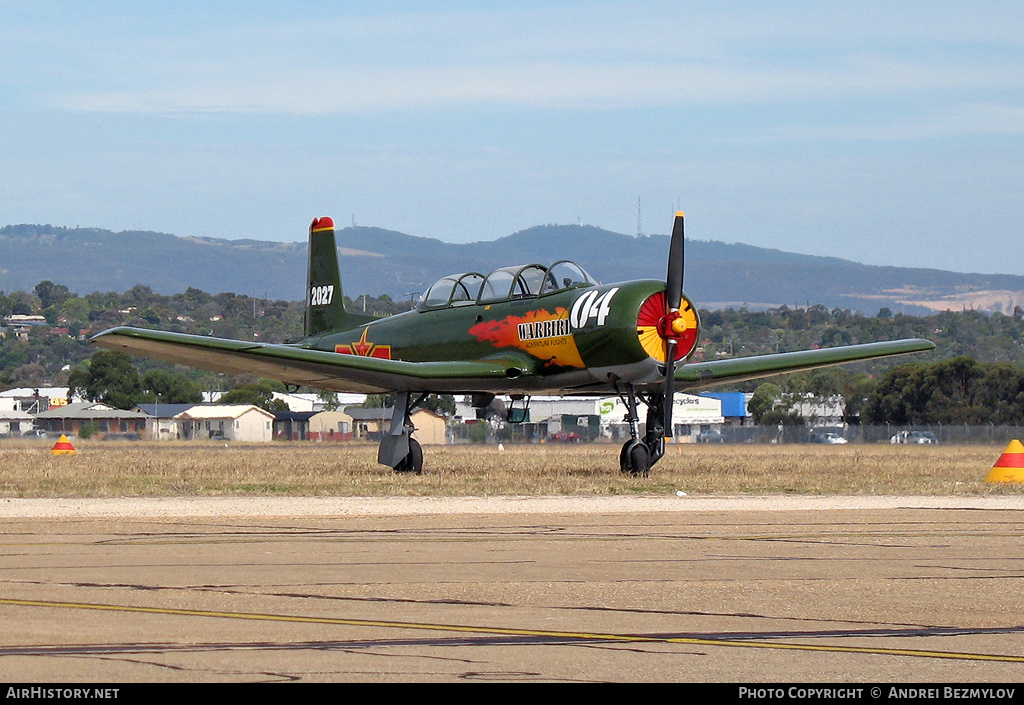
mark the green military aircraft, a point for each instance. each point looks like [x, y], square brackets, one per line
[518, 331]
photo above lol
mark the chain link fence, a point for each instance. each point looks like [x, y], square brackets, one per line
[987, 434]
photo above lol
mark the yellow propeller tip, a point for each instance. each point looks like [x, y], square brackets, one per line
[679, 214]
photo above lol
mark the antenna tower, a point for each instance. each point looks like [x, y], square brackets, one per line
[639, 227]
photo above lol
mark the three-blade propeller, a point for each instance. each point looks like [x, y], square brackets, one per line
[673, 299]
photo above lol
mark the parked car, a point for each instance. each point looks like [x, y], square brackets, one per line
[565, 437]
[122, 437]
[711, 437]
[827, 437]
[915, 437]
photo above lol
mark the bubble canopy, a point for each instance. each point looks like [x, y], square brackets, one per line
[516, 282]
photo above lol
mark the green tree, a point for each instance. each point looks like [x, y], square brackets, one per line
[51, 294]
[329, 399]
[769, 406]
[109, 378]
[259, 393]
[161, 386]
[22, 303]
[89, 429]
[856, 391]
[443, 404]
[956, 391]
[763, 400]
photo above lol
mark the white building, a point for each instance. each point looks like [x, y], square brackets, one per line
[830, 411]
[691, 415]
[15, 423]
[313, 402]
[35, 399]
[227, 422]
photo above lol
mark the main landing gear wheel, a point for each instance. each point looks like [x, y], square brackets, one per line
[635, 459]
[413, 462]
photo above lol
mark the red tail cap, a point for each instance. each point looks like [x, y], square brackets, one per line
[324, 223]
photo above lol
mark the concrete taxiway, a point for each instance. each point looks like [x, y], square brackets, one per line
[588, 589]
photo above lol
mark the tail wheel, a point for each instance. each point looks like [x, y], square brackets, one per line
[413, 462]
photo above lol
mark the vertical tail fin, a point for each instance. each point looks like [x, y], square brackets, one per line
[325, 303]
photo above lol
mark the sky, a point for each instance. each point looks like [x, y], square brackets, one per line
[885, 133]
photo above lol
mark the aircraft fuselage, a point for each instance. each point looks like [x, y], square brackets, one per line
[573, 338]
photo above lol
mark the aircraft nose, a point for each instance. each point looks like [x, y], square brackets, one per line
[654, 327]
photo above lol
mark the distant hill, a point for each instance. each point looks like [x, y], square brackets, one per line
[376, 261]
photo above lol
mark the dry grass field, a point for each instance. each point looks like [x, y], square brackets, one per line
[108, 469]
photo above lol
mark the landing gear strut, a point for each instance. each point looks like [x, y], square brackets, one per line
[398, 449]
[638, 455]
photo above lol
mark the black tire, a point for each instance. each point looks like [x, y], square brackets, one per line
[639, 460]
[634, 458]
[413, 462]
[624, 457]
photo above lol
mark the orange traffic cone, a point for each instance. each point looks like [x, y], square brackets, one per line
[63, 447]
[1010, 466]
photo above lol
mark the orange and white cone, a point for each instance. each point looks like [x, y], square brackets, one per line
[1010, 466]
[63, 447]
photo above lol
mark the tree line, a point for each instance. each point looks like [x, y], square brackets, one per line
[46, 354]
[973, 376]
[958, 390]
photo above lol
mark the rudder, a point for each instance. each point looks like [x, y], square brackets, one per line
[325, 302]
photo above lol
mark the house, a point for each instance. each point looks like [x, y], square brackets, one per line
[227, 422]
[20, 324]
[292, 425]
[95, 419]
[15, 423]
[431, 427]
[371, 423]
[162, 425]
[330, 426]
[315, 425]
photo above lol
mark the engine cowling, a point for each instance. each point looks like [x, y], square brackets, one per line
[654, 327]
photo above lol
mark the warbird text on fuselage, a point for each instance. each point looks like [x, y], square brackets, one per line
[520, 330]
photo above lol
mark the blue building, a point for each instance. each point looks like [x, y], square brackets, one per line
[734, 407]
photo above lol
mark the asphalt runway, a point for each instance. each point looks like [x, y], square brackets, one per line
[718, 592]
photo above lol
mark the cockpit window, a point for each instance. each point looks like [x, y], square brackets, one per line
[526, 281]
[519, 282]
[467, 288]
[565, 275]
[529, 281]
[439, 293]
[454, 290]
[498, 285]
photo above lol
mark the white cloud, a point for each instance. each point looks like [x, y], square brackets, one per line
[362, 88]
[592, 55]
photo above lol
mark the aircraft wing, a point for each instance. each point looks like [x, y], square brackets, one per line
[701, 374]
[302, 366]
